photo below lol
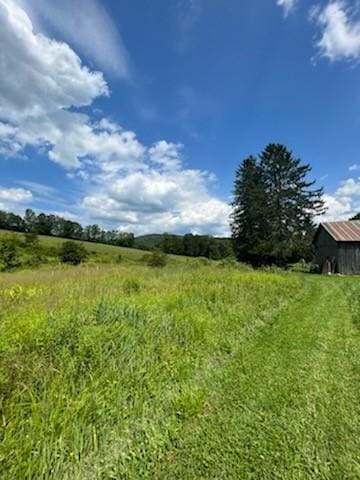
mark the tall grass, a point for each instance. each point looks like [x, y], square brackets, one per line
[103, 369]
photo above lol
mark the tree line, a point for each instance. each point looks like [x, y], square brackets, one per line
[197, 246]
[56, 226]
[274, 208]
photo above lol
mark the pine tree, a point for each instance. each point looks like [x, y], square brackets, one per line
[291, 204]
[248, 223]
[274, 208]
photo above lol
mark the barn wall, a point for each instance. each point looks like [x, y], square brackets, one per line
[349, 258]
[326, 248]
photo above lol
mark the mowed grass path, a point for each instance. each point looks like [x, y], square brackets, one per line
[184, 373]
[288, 404]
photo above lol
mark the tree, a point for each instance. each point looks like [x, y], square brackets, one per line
[356, 217]
[189, 245]
[72, 252]
[248, 223]
[44, 224]
[172, 244]
[274, 208]
[124, 239]
[157, 259]
[9, 256]
[3, 220]
[15, 222]
[30, 220]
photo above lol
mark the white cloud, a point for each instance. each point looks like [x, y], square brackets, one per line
[168, 198]
[338, 208]
[125, 182]
[15, 195]
[46, 75]
[355, 167]
[349, 188]
[344, 202]
[340, 31]
[288, 5]
[47, 80]
[166, 154]
[87, 26]
[10, 198]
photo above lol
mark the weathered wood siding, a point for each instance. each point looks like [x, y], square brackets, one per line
[326, 248]
[349, 258]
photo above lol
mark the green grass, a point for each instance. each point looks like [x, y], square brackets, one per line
[186, 372]
[99, 252]
[101, 248]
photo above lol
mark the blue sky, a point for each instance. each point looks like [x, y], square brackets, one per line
[134, 114]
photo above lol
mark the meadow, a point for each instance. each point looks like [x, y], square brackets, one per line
[191, 371]
[99, 253]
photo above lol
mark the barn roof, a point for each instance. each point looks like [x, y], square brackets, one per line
[343, 231]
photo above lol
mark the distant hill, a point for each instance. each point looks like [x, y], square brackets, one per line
[147, 242]
[153, 240]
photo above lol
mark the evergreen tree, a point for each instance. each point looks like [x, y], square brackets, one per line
[274, 208]
[248, 223]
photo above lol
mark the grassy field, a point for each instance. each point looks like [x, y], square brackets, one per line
[97, 248]
[186, 372]
[99, 252]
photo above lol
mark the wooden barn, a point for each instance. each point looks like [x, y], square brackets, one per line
[337, 247]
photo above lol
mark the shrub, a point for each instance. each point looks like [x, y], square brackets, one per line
[35, 260]
[157, 259]
[73, 253]
[9, 254]
[31, 240]
[131, 286]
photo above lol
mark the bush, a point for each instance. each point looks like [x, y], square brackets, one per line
[73, 253]
[35, 260]
[31, 240]
[131, 286]
[9, 254]
[157, 259]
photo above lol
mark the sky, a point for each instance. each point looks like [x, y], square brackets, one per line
[135, 114]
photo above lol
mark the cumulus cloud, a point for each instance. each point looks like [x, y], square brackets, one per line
[344, 202]
[145, 188]
[170, 198]
[48, 79]
[12, 197]
[340, 31]
[87, 26]
[349, 188]
[166, 154]
[287, 5]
